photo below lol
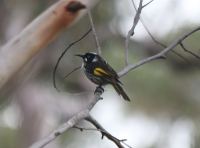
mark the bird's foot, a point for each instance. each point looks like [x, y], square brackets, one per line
[99, 89]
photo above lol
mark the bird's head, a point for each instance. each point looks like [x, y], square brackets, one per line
[89, 57]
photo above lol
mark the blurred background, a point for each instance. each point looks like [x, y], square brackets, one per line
[164, 111]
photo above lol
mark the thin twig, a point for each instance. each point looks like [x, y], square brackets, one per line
[54, 72]
[89, 129]
[189, 51]
[131, 31]
[94, 33]
[125, 143]
[147, 4]
[71, 72]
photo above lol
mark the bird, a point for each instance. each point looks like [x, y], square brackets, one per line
[101, 73]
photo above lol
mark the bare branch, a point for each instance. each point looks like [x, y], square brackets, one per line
[94, 129]
[131, 31]
[105, 133]
[94, 33]
[189, 51]
[69, 124]
[95, 100]
[159, 55]
[90, 129]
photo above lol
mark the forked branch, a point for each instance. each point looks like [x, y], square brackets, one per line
[69, 124]
[159, 55]
[189, 51]
[105, 133]
[131, 31]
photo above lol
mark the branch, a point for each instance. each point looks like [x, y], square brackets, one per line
[131, 32]
[159, 55]
[105, 133]
[69, 124]
[30, 41]
[94, 33]
[89, 129]
[189, 51]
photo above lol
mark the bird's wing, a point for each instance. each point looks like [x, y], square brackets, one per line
[104, 70]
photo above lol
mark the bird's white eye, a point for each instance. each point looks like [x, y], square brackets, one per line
[86, 59]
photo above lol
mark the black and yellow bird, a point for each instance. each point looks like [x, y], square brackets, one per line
[99, 72]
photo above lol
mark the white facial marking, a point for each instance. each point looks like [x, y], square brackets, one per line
[95, 59]
[85, 59]
[93, 53]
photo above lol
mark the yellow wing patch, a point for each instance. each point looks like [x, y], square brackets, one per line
[99, 71]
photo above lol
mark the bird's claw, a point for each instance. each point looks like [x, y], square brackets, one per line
[99, 89]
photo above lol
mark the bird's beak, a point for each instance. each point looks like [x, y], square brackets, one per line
[80, 55]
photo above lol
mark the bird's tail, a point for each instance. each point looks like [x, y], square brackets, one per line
[120, 91]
